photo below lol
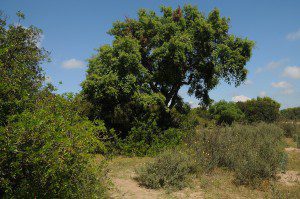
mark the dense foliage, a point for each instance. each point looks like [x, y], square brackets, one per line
[45, 142]
[291, 113]
[21, 73]
[261, 109]
[45, 153]
[153, 56]
[226, 112]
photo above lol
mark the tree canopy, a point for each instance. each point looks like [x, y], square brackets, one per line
[226, 112]
[261, 109]
[20, 59]
[291, 113]
[153, 56]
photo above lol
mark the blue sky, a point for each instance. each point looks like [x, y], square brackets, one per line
[74, 29]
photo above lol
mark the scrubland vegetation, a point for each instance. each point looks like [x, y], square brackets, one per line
[61, 145]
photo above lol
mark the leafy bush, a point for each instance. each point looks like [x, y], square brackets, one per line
[226, 112]
[150, 140]
[170, 169]
[141, 138]
[254, 152]
[20, 70]
[45, 153]
[260, 110]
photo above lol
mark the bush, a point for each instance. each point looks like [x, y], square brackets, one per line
[44, 153]
[226, 112]
[171, 169]
[260, 110]
[150, 140]
[254, 152]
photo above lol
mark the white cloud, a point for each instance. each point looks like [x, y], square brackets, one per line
[293, 35]
[248, 82]
[286, 87]
[72, 63]
[292, 72]
[240, 98]
[48, 79]
[193, 104]
[263, 94]
[282, 84]
[272, 65]
[276, 64]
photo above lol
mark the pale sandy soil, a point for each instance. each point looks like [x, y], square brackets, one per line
[289, 178]
[292, 149]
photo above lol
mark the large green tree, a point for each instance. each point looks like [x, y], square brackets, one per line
[21, 75]
[153, 56]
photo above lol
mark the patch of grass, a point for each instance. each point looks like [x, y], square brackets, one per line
[290, 142]
[218, 184]
[123, 167]
[294, 161]
[278, 191]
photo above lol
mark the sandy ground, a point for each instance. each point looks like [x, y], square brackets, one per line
[292, 149]
[289, 178]
[129, 188]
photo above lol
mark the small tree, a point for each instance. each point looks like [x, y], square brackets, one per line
[226, 112]
[260, 109]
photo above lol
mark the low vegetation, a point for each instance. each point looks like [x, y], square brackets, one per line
[171, 169]
[254, 152]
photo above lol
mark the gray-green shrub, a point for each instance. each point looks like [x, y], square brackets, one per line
[289, 128]
[171, 169]
[254, 152]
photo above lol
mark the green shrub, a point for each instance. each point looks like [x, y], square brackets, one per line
[44, 153]
[254, 152]
[290, 113]
[150, 140]
[226, 112]
[260, 110]
[170, 169]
